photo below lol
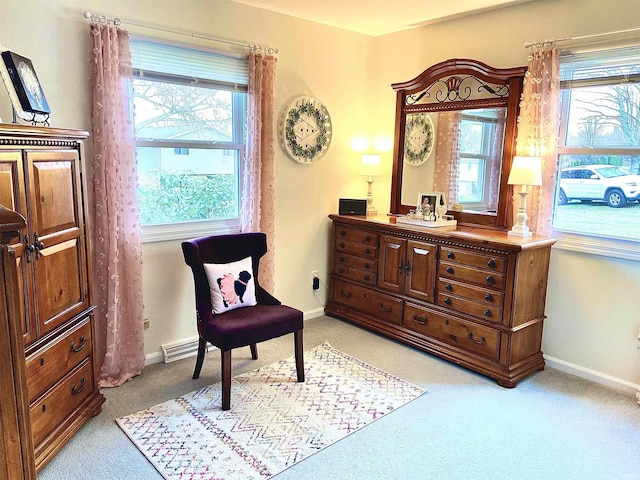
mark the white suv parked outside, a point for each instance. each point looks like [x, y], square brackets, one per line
[598, 182]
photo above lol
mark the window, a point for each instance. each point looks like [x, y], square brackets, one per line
[189, 109]
[476, 153]
[598, 181]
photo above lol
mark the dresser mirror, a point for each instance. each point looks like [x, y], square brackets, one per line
[455, 132]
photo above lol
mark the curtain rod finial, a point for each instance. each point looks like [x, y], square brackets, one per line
[87, 14]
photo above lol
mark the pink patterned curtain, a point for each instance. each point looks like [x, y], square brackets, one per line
[116, 245]
[258, 195]
[445, 176]
[495, 161]
[538, 130]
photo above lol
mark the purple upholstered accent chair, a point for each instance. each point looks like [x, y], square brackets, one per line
[242, 326]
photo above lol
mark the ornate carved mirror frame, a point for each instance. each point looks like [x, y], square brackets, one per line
[460, 84]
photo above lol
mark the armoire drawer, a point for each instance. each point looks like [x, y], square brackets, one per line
[362, 276]
[496, 262]
[355, 262]
[55, 406]
[487, 296]
[358, 249]
[48, 365]
[468, 336]
[383, 307]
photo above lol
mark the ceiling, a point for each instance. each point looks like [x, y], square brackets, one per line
[379, 17]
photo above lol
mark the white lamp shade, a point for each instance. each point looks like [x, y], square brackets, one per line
[371, 165]
[526, 171]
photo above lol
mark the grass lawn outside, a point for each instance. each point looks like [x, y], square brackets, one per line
[597, 218]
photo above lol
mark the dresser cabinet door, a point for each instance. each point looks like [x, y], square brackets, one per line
[57, 228]
[420, 267]
[391, 264]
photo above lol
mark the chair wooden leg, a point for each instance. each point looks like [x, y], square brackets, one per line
[254, 351]
[202, 346]
[226, 379]
[297, 338]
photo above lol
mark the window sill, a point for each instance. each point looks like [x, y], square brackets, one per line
[607, 247]
[183, 231]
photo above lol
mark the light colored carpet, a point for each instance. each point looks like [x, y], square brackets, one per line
[552, 426]
[274, 421]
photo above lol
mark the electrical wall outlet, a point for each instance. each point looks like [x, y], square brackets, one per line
[315, 280]
[146, 323]
[638, 340]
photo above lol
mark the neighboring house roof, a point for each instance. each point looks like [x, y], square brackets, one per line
[184, 132]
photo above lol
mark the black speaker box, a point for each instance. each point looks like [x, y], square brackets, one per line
[352, 206]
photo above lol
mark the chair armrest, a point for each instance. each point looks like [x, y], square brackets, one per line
[265, 298]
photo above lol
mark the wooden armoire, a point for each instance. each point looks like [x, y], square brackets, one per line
[42, 177]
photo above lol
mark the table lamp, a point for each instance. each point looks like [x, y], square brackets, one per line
[371, 167]
[524, 171]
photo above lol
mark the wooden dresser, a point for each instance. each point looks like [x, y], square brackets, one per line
[472, 296]
[42, 178]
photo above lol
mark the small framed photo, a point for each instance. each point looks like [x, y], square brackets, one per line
[428, 202]
[25, 82]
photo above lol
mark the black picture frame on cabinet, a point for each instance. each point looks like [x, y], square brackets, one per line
[26, 84]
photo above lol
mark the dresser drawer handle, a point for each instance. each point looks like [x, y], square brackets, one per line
[341, 245]
[491, 263]
[448, 287]
[482, 340]
[366, 278]
[488, 297]
[341, 270]
[44, 407]
[83, 343]
[385, 309]
[75, 390]
[342, 233]
[491, 280]
[367, 239]
[451, 255]
[345, 294]
[487, 313]
[420, 320]
[341, 259]
[449, 269]
[367, 266]
[41, 361]
[447, 301]
[367, 251]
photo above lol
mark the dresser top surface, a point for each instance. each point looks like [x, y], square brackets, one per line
[476, 235]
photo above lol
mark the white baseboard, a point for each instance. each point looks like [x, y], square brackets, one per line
[159, 357]
[592, 375]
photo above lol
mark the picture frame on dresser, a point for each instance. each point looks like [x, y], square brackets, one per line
[25, 83]
[428, 203]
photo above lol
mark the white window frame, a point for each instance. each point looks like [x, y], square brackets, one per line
[193, 229]
[484, 156]
[581, 242]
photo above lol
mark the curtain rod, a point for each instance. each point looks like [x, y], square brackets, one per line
[117, 22]
[583, 37]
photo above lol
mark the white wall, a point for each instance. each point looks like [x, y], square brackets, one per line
[592, 301]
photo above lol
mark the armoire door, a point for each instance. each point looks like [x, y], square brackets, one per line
[12, 196]
[57, 227]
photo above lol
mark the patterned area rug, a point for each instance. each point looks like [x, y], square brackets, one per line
[274, 422]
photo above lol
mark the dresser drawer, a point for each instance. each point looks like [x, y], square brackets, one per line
[483, 295]
[357, 249]
[362, 276]
[491, 262]
[470, 274]
[487, 312]
[360, 263]
[48, 365]
[462, 334]
[356, 236]
[55, 406]
[383, 307]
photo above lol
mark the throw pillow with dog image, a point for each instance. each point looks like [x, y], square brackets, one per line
[231, 285]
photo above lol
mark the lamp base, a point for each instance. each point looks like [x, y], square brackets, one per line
[523, 233]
